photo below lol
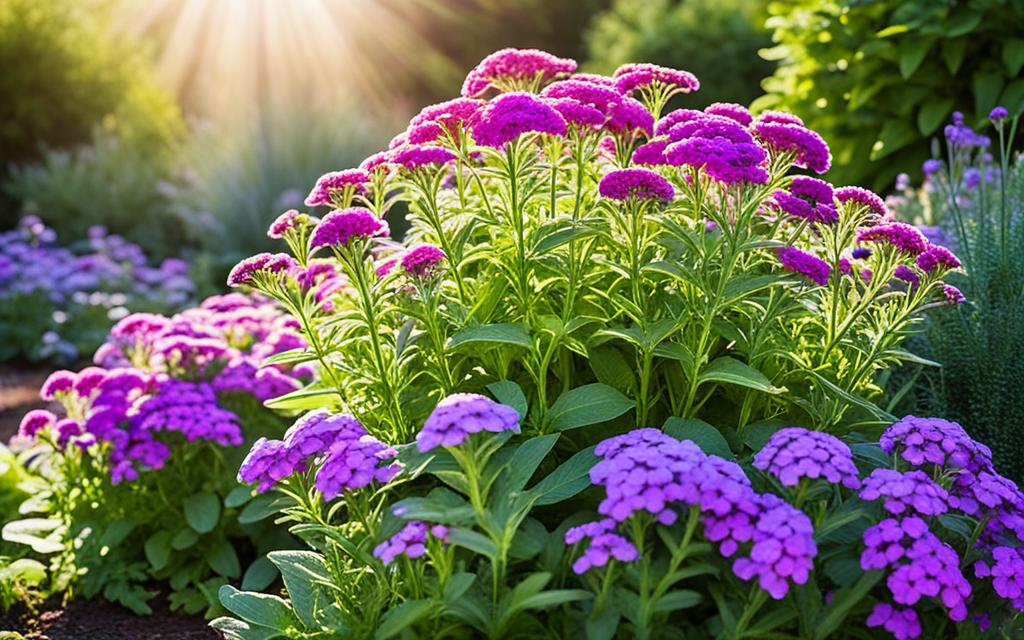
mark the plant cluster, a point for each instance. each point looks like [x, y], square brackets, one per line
[134, 482]
[57, 302]
[973, 197]
[878, 78]
[539, 413]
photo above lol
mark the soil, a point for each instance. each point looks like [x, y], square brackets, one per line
[19, 393]
[100, 620]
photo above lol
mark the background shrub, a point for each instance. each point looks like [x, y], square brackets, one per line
[717, 41]
[878, 78]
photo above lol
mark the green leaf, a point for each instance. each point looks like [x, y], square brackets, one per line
[842, 602]
[932, 113]
[586, 405]
[260, 609]
[558, 238]
[892, 30]
[1013, 96]
[1013, 56]
[457, 586]
[987, 86]
[185, 538]
[403, 616]
[304, 573]
[25, 571]
[440, 505]
[962, 23]
[678, 352]
[676, 600]
[511, 394]
[158, 549]
[553, 598]
[912, 55]
[953, 53]
[261, 507]
[894, 135]
[223, 559]
[202, 510]
[611, 367]
[867, 405]
[234, 629]
[524, 463]
[728, 370]
[305, 399]
[41, 534]
[473, 541]
[571, 477]
[492, 334]
[260, 575]
[702, 434]
[238, 496]
[116, 532]
[291, 356]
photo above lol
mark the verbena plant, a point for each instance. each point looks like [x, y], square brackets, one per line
[974, 195]
[135, 482]
[578, 266]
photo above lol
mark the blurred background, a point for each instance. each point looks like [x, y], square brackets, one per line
[183, 127]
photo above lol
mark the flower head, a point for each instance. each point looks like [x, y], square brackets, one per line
[816, 269]
[577, 113]
[35, 421]
[862, 198]
[952, 294]
[937, 259]
[328, 183]
[808, 198]
[630, 77]
[452, 115]
[722, 147]
[460, 415]
[512, 114]
[602, 545]
[629, 117]
[342, 225]
[594, 95]
[998, 113]
[730, 110]
[410, 541]
[903, 237]
[56, 384]
[935, 441]
[422, 261]
[930, 166]
[268, 463]
[679, 116]
[514, 65]
[283, 224]
[808, 148]
[354, 461]
[792, 454]
[642, 184]
[243, 272]
[909, 493]
[414, 156]
[652, 152]
[903, 624]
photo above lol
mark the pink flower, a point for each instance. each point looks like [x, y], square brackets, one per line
[514, 65]
[512, 114]
[328, 183]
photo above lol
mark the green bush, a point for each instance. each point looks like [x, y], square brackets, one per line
[63, 74]
[878, 78]
[717, 41]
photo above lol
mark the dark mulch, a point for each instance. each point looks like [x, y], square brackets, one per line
[19, 393]
[101, 620]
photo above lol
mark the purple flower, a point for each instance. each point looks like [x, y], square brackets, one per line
[722, 147]
[327, 184]
[243, 272]
[909, 493]
[807, 147]
[576, 113]
[520, 65]
[342, 225]
[630, 77]
[380, 160]
[460, 415]
[283, 224]
[797, 261]
[1006, 568]
[651, 153]
[88, 380]
[353, 462]
[603, 545]
[512, 114]
[453, 115]
[997, 114]
[422, 261]
[35, 421]
[730, 110]
[808, 198]
[780, 117]
[903, 237]
[862, 198]
[792, 454]
[594, 95]
[628, 117]
[413, 156]
[908, 275]
[57, 383]
[410, 541]
[961, 136]
[937, 258]
[643, 184]
[903, 624]
[861, 253]
[679, 116]
[935, 441]
[952, 294]
[931, 166]
[268, 463]
[782, 549]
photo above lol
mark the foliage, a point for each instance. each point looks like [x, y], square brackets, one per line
[137, 483]
[64, 74]
[718, 41]
[879, 78]
[979, 343]
[58, 302]
[587, 296]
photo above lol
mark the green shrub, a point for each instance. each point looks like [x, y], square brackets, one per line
[717, 41]
[878, 78]
[63, 74]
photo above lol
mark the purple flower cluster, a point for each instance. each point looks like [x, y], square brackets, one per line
[247, 269]
[422, 261]
[798, 261]
[631, 77]
[937, 442]
[410, 541]
[515, 65]
[790, 136]
[808, 198]
[906, 493]
[602, 545]
[721, 146]
[1006, 569]
[642, 184]
[903, 237]
[952, 294]
[863, 198]
[792, 454]
[342, 225]
[918, 564]
[512, 114]
[460, 415]
[962, 136]
[415, 156]
[646, 471]
[329, 184]
[903, 624]
[937, 259]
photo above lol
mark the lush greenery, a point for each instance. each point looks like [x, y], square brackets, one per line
[978, 344]
[878, 79]
[718, 41]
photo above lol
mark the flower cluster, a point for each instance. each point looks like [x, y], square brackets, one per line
[641, 184]
[602, 545]
[911, 492]
[792, 454]
[410, 541]
[798, 261]
[459, 416]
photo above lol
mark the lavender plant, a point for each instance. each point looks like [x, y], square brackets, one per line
[135, 481]
[536, 414]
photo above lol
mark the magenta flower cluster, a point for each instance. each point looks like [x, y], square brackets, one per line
[799, 261]
[905, 493]
[808, 198]
[343, 225]
[459, 416]
[640, 184]
[792, 454]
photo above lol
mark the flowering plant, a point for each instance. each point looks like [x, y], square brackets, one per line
[58, 302]
[582, 269]
[135, 480]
